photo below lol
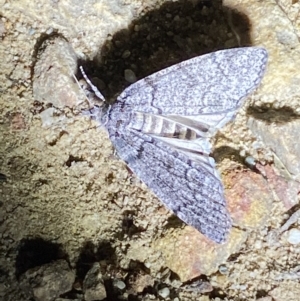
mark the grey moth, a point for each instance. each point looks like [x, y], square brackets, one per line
[161, 125]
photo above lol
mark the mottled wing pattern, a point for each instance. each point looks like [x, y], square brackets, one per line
[194, 193]
[160, 127]
[212, 83]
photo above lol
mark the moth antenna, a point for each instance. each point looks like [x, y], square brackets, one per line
[232, 27]
[93, 87]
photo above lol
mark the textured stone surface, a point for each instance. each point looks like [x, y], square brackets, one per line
[51, 280]
[249, 198]
[138, 282]
[284, 188]
[282, 89]
[291, 10]
[53, 71]
[280, 137]
[288, 290]
[93, 285]
[75, 19]
[190, 254]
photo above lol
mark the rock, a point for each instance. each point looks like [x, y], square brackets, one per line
[199, 287]
[93, 284]
[130, 76]
[51, 280]
[180, 249]
[126, 54]
[48, 117]
[280, 137]
[56, 57]
[286, 189]
[164, 292]
[140, 282]
[223, 269]
[294, 236]
[248, 197]
[119, 284]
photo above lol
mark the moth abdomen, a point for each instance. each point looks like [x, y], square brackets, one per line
[161, 126]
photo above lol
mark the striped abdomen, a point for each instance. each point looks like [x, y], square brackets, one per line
[162, 126]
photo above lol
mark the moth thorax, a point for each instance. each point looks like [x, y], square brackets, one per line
[161, 126]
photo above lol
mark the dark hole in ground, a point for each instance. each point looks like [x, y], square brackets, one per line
[36, 252]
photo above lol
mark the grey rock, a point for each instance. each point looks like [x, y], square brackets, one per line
[49, 281]
[164, 292]
[294, 236]
[93, 285]
[119, 284]
[282, 138]
[130, 76]
[56, 56]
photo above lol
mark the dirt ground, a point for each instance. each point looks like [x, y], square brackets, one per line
[75, 223]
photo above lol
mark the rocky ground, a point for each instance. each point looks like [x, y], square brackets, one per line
[75, 223]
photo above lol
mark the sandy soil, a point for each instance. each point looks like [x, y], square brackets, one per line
[64, 195]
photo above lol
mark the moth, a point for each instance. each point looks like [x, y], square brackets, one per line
[161, 126]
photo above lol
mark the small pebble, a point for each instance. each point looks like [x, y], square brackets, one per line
[126, 54]
[164, 292]
[49, 31]
[223, 269]
[31, 31]
[130, 76]
[294, 236]
[119, 284]
[250, 161]
[258, 245]
[47, 116]
[147, 264]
